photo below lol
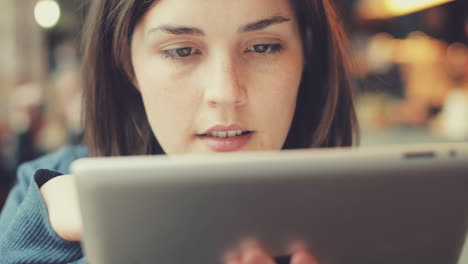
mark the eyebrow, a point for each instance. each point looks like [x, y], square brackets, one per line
[178, 30]
[185, 30]
[264, 23]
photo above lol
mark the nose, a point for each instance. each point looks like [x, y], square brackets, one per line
[223, 86]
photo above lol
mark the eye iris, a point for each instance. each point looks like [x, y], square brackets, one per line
[184, 52]
[261, 48]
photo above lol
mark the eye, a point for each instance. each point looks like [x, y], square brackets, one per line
[180, 52]
[265, 48]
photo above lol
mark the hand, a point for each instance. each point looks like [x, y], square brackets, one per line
[61, 200]
[251, 252]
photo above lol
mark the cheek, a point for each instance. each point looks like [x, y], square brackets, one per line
[170, 105]
[278, 85]
[278, 102]
[274, 101]
[165, 90]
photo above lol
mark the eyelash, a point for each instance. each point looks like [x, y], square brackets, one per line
[271, 49]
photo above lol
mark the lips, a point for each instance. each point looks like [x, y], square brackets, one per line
[221, 128]
[226, 134]
[226, 138]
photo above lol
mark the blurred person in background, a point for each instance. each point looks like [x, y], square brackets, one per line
[19, 135]
[40, 124]
[176, 77]
[63, 115]
[26, 119]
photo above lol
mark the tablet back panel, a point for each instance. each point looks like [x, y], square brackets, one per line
[392, 205]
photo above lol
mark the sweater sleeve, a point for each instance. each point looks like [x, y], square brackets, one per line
[25, 232]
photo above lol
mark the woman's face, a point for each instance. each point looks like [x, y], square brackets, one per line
[218, 75]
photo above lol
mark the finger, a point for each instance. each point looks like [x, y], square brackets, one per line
[297, 246]
[233, 261]
[301, 254]
[256, 257]
[303, 257]
[250, 244]
[253, 253]
[232, 257]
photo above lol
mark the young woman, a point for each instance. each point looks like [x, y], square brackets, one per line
[189, 76]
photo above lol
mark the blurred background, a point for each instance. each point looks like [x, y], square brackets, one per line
[410, 76]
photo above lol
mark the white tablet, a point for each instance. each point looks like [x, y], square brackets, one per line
[400, 204]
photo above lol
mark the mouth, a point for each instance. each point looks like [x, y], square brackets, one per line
[226, 134]
[226, 138]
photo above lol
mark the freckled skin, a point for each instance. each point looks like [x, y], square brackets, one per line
[224, 80]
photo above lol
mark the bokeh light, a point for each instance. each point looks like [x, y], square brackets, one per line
[47, 13]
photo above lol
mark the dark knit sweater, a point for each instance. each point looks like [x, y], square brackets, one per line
[25, 233]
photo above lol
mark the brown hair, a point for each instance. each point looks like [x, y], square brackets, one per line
[115, 121]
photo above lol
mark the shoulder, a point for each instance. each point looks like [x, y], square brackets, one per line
[59, 161]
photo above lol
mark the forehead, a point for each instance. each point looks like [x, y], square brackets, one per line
[226, 15]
